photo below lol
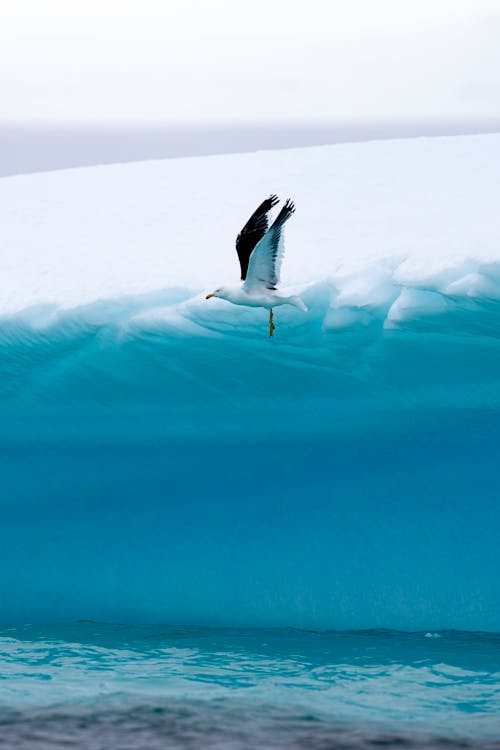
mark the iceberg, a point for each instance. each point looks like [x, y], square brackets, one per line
[163, 459]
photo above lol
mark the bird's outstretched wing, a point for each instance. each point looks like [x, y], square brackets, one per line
[265, 261]
[252, 232]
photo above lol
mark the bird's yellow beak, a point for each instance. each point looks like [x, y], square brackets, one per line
[209, 295]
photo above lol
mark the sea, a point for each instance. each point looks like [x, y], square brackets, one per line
[100, 686]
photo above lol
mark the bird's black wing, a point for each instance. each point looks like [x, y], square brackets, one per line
[253, 232]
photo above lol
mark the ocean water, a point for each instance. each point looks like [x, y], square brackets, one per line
[94, 685]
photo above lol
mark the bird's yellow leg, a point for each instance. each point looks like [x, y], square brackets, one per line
[271, 323]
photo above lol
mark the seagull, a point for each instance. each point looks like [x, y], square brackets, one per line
[260, 251]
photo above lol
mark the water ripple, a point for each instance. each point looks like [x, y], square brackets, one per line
[354, 687]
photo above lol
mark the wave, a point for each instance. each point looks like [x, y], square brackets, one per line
[324, 687]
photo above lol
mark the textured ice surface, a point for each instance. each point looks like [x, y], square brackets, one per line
[163, 459]
[102, 233]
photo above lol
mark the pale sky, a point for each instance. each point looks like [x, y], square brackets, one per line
[151, 62]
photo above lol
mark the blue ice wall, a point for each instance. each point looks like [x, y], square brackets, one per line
[322, 479]
[315, 534]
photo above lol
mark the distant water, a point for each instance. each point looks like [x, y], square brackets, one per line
[36, 148]
[89, 685]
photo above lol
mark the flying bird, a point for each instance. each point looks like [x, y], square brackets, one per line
[260, 249]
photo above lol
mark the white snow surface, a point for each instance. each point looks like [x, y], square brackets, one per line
[382, 223]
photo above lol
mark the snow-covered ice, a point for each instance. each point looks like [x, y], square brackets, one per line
[425, 209]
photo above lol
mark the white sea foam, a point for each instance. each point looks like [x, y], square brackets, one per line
[368, 686]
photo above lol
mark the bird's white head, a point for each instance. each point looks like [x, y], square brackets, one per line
[221, 292]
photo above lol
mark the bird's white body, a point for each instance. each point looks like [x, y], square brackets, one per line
[260, 297]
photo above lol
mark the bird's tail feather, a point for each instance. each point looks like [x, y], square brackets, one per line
[297, 302]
